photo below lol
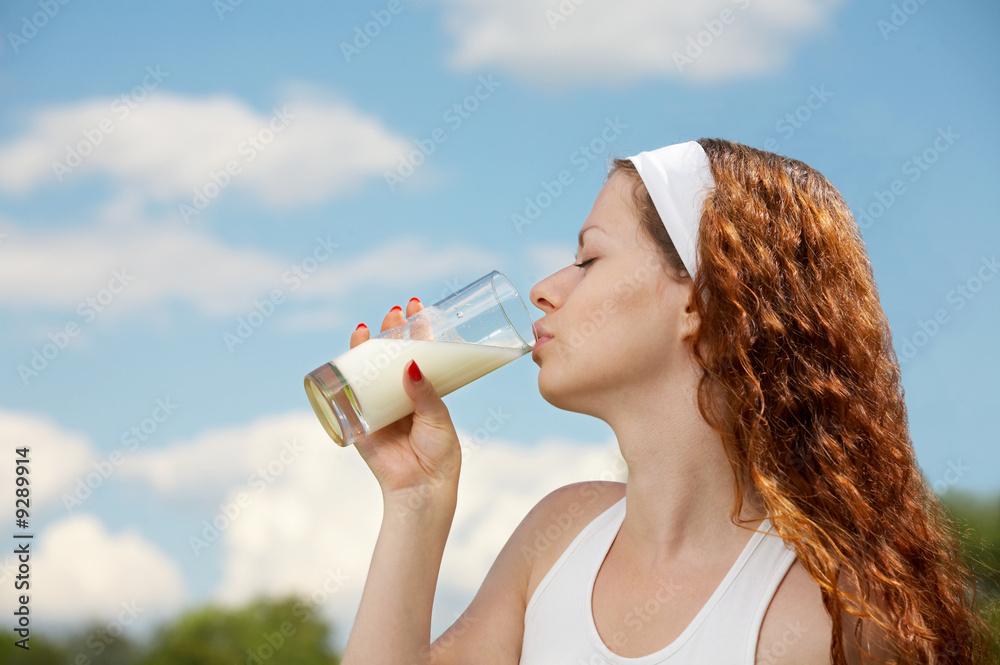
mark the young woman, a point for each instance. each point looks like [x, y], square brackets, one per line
[722, 318]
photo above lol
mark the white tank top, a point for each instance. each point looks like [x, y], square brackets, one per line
[559, 621]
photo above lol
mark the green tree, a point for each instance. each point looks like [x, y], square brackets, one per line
[98, 645]
[267, 632]
[89, 646]
[978, 522]
[41, 651]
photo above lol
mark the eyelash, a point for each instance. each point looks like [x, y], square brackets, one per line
[584, 264]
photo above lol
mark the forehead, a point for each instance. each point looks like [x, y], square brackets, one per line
[613, 213]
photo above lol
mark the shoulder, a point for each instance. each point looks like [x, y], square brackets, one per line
[492, 628]
[797, 629]
[561, 514]
[589, 494]
[557, 519]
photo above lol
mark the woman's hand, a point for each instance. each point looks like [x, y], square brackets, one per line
[418, 455]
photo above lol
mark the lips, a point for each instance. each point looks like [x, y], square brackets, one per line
[541, 337]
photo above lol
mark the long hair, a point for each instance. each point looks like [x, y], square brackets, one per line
[801, 381]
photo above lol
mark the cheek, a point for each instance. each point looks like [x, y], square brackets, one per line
[597, 323]
[616, 318]
[639, 324]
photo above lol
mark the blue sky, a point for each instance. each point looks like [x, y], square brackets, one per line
[494, 100]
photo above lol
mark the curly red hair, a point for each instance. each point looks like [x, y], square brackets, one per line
[802, 383]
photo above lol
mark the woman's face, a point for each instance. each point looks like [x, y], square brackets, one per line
[618, 324]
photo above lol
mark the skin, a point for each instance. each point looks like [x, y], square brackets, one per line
[620, 350]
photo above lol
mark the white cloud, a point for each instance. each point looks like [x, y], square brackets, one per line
[59, 458]
[565, 42]
[82, 572]
[79, 571]
[157, 263]
[310, 515]
[205, 467]
[301, 152]
[120, 266]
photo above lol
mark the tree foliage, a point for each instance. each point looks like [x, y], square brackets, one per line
[977, 520]
[284, 632]
[265, 632]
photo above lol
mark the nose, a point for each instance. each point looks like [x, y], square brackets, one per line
[538, 300]
[549, 294]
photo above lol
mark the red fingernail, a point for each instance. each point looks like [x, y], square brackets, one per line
[412, 299]
[414, 371]
[360, 326]
[395, 308]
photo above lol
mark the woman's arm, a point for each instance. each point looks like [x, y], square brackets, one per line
[393, 623]
[417, 461]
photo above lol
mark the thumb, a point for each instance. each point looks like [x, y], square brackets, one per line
[427, 403]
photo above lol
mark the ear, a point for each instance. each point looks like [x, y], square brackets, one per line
[689, 319]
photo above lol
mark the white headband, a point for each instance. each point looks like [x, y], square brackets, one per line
[678, 178]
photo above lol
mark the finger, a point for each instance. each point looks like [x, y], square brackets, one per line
[420, 326]
[359, 335]
[393, 318]
[426, 401]
[413, 307]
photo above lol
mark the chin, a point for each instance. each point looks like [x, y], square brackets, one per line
[565, 395]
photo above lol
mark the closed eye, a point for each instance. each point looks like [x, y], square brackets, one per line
[584, 264]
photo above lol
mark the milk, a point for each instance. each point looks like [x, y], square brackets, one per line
[374, 370]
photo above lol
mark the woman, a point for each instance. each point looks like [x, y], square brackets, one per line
[722, 318]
